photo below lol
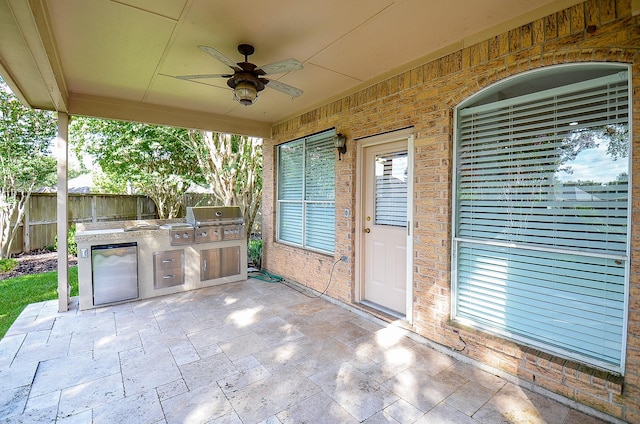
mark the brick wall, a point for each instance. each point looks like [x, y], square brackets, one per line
[424, 98]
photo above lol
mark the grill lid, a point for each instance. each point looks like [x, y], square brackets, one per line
[214, 215]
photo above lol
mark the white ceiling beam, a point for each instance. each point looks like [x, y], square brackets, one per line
[32, 19]
[109, 108]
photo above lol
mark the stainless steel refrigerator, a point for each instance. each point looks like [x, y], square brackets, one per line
[114, 272]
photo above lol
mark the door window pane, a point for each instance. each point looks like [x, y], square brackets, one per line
[391, 189]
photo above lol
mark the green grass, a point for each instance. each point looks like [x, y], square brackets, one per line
[16, 293]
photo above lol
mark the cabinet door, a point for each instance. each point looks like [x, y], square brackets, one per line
[229, 261]
[219, 262]
[209, 264]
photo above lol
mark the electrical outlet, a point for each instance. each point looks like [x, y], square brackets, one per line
[343, 258]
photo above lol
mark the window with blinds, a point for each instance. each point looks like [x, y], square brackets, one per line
[541, 226]
[306, 192]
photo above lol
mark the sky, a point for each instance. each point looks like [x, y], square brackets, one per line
[594, 165]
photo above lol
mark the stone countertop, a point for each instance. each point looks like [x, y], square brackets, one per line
[101, 236]
[122, 230]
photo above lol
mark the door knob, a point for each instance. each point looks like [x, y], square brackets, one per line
[367, 230]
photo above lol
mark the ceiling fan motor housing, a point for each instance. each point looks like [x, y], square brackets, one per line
[248, 74]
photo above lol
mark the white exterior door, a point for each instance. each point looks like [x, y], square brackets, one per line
[385, 226]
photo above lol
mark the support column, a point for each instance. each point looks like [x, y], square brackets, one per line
[63, 212]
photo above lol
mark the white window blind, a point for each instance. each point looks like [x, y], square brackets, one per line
[542, 218]
[391, 189]
[561, 302]
[306, 192]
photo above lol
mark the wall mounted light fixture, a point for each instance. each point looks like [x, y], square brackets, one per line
[340, 141]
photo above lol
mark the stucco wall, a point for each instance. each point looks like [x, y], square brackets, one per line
[424, 98]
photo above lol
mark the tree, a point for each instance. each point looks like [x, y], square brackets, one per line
[232, 165]
[153, 160]
[25, 160]
[162, 162]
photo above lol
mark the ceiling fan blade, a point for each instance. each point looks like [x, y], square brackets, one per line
[284, 88]
[203, 76]
[280, 66]
[217, 55]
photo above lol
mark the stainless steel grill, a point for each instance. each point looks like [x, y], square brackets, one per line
[204, 216]
[208, 224]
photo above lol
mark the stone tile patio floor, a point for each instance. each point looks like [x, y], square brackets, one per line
[246, 352]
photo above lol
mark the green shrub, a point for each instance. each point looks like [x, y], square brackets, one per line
[71, 241]
[8, 264]
[255, 252]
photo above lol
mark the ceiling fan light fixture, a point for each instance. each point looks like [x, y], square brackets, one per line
[245, 93]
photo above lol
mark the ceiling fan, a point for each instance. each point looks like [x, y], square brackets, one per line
[247, 79]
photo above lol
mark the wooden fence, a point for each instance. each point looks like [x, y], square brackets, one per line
[39, 226]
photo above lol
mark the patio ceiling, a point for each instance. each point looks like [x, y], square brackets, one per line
[118, 59]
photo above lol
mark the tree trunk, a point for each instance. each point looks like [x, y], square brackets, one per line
[12, 204]
[233, 169]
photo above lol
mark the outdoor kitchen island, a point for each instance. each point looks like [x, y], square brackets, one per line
[207, 248]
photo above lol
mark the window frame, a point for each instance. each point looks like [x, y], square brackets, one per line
[304, 202]
[457, 240]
